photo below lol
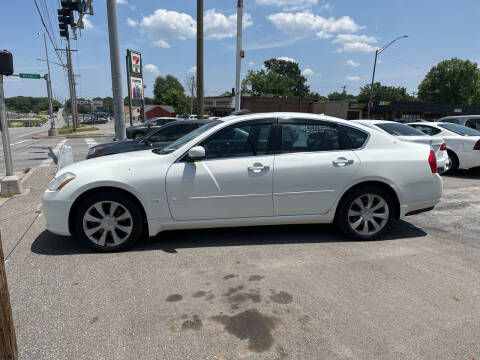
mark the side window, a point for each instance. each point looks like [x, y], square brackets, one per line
[452, 120]
[473, 123]
[310, 137]
[357, 137]
[246, 140]
[172, 133]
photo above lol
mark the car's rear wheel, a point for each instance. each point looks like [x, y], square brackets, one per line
[366, 213]
[109, 221]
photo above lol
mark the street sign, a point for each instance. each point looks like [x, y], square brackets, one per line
[135, 62]
[96, 103]
[136, 87]
[30, 76]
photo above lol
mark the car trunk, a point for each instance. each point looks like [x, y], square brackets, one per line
[435, 143]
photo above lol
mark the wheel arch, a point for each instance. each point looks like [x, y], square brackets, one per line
[390, 190]
[87, 193]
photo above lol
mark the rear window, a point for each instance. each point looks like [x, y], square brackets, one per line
[399, 129]
[357, 137]
[460, 129]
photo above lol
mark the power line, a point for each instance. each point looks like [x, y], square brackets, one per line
[48, 32]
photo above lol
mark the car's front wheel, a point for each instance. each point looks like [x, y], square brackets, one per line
[109, 221]
[366, 213]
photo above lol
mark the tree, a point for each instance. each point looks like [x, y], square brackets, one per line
[165, 84]
[452, 81]
[317, 97]
[177, 99]
[384, 93]
[27, 104]
[339, 96]
[280, 78]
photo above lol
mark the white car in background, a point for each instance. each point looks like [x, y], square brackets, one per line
[407, 133]
[260, 169]
[463, 143]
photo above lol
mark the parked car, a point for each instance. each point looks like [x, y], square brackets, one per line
[138, 131]
[157, 139]
[471, 121]
[407, 133]
[260, 169]
[463, 143]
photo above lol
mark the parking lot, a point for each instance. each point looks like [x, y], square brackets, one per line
[286, 292]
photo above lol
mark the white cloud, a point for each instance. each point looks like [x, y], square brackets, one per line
[122, 2]
[308, 72]
[306, 22]
[192, 70]
[251, 63]
[323, 35]
[352, 78]
[132, 23]
[152, 68]
[352, 63]
[162, 43]
[289, 5]
[87, 23]
[353, 42]
[326, 7]
[219, 26]
[165, 25]
[286, 58]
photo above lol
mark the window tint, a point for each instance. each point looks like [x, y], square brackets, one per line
[310, 137]
[460, 129]
[474, 124]
[357, 137]
[428, 130]
[172, 133]
[246, 140]
[399, 129]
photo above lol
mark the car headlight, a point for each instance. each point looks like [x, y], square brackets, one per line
[60, 181]
[94, 150]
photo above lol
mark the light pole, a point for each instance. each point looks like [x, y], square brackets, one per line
[378, 52]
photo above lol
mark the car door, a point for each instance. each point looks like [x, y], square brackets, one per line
[168, 134]
[314, 165]
[233, 181]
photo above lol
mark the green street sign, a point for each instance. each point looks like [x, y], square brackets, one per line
[30, 76]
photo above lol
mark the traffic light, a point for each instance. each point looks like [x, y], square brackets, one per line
[6, 63]
[65, 18]
[72, 5]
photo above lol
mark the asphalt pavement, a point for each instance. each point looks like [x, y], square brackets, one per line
[284, 292]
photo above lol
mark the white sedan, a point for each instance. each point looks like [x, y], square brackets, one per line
[407, 133]
[463, 143]
[259, 169]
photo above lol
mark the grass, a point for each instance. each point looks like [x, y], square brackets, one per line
[69, 129]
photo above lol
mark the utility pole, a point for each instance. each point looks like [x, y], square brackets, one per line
[143, 108]
[52, 131]
[192, 89]
[239, 56]
[71, 85]
[200, 110]
[129, 91]
[118, 113]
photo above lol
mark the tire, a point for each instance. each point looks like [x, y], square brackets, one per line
[117, 231]
[350, 215]
[455, 163]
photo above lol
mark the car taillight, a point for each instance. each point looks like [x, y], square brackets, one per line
[477, 146]
[432, 160]
[443, 147]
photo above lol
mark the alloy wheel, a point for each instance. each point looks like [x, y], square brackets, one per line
[448, 164]
[107, 223]
[368, 214]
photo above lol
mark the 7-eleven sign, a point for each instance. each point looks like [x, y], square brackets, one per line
[135, 62]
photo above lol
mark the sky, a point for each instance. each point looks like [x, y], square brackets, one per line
[333, 41]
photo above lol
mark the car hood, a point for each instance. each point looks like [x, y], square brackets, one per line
[110, 164]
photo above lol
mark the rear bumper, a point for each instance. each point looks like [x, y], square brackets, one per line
[421, 197]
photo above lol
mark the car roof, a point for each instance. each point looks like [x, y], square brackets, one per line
[286, 115]
[374, 122]
[461, 117]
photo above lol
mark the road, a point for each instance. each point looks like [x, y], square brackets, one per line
[285, 292]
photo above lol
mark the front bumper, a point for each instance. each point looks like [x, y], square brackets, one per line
[56, 213]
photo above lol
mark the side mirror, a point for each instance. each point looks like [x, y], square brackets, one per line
[196, 153]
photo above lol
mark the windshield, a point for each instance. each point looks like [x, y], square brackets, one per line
[185, 139]
[460, 129]
[399, 129]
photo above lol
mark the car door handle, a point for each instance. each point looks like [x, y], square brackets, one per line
[342, 162]
[256, 168]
